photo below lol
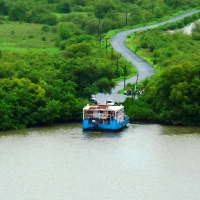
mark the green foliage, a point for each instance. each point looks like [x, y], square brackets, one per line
[22, 99]
[137, 15]
[65, 85]
[181, 23]
[49, 113]
[42, 88]
[77, 50]
[40, 14]
[24, 103]
[196, 36]
[18, 11]
[45, 28]
[87, 72]
[68, 30]
[172, 95]
[109, 23]
[168, 49]
[102, 8]
[92, 27]
[64, 6]
[139, 11]
[104, 85]
[196, 31]
[3, 7]
[139, 110]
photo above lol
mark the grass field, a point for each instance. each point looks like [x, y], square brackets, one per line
[25, 37]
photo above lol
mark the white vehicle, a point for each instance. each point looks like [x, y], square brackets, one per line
[92, 98]
[110, 102]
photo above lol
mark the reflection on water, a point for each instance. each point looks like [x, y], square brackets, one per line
[179, 130]
[92, 134]
[64, 162]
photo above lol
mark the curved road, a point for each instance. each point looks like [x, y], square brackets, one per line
[144, 69]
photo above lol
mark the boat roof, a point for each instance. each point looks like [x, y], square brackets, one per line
[103, 107]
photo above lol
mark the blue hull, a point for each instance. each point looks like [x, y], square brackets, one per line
[112, 125]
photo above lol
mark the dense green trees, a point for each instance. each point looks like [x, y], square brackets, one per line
[175, 95]
[3, 7]
[102, 8]
[113, 14]
[196, 31]
[40, 14]
[69, 30]
[141, 11]
[24, 103]
[20, 100]
[171, 96]
[28, 12]
[185, 3]
[42, 88]
[18, 11]
[64, 6]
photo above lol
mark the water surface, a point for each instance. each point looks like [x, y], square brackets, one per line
[63, 162]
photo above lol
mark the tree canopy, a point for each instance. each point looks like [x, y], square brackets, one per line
[171, 96]
[42, 83]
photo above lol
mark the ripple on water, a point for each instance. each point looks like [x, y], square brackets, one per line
[65, 162]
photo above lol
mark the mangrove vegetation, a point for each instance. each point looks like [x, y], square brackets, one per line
[55, 53]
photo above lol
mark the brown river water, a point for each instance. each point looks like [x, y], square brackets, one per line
[63, 162]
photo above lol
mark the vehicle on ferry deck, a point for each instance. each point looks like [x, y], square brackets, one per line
[93, 98]
[110, 102]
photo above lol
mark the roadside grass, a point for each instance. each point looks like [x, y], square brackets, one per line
[134, 44]
[23, 37]
[74, 13]
[111, 33]
[27, 37]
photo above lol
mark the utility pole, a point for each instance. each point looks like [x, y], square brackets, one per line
[176, 4]
[100, 34]
[117, 63]
[112, 53]
[99, 27]
[124, 76]
[126, 18]
[135, 86]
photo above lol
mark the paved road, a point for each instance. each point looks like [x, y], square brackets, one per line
[144, 69]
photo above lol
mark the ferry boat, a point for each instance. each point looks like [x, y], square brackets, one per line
[104, 116]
